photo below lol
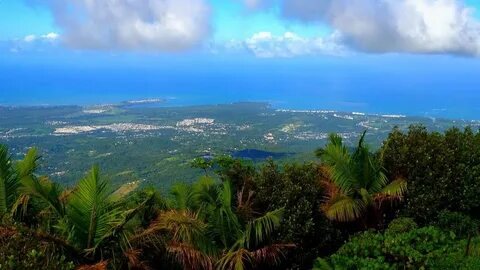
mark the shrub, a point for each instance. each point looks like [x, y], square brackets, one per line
[443, 170]
[462, 225]
[402, 225]
[27, 250]
[422, 248]
[296, 188]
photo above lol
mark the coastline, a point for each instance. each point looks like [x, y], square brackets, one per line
[173, 102]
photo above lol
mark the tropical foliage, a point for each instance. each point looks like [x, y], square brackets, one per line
[415, 248]
[197, 228]
[355, 182]
[242, 215]
[443, 170]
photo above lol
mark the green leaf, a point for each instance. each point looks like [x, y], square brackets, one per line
[92, 210]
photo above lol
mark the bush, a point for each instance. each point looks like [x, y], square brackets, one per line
[462, 225]
[296, 188]
[402, 225]
[26, 250]
[442, 170]
[422, 248]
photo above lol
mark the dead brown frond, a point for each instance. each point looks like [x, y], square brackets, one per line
[7, 232]
[21, 205]
[393, 192]
[147, 235]
[65, 195]
[245, 204]
[272, 254]
[182, 226]
[134, 260]
[99, 266]
[331, 191]
[189, 257]
[235, 260]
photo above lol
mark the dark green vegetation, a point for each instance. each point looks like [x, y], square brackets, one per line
[411, 204]
[156, 144]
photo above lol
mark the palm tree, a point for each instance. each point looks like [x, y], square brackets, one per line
[355, 181]
[199, 228]
[203, 231]
[251, 248]
[93, 210]
[89, 216]
[243, 243]
[12, 174]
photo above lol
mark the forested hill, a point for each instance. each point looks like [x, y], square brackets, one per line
[153, 144]
[413, 204]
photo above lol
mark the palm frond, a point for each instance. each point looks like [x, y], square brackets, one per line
[223, 221]
[271, 254]
[239, 259]
[393, 191]
[182, 194]
[339, 165]
[25, 168]
[133, 257]
[343, 208]
[204, 194]
[245, 204]
[361, 141]
[258, 230]
[20, 207]
[46, 191]
[103, 265]
[91, 210]
[118, 226]
[183, 227]
[8, 181]
[189, 257]
[335, 139]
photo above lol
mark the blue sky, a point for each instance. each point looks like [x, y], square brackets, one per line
[343, 53]
[235, 22]
[230, 20]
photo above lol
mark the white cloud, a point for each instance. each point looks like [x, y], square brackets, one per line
[159, 25]
[50, 36]
[47, 37]
[30, 38]
[39, 43]
[267, 45]
[412, 26]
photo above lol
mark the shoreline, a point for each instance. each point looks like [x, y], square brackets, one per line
[167, 103]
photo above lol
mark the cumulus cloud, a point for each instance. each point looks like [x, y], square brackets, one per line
[268, 45]
[412, 26]
[158, 25]
[29, 38]
[47, 37]
[31, 43]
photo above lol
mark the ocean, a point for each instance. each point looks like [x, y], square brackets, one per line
[447, 88]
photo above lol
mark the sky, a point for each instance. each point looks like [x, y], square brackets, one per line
[264, 28]
[349, 48]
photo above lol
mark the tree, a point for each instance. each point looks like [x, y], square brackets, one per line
[297, 189]
[205, 232]
[443, 170]
[88, 217]
[355, 184]
[202, 163]
[407, 248]
[12, 174]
